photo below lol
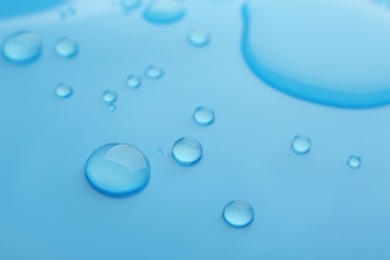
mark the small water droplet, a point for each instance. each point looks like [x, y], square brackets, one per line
[129, 5]
[22, 47]
[134, 81]
[203, 116]
[117, 170]
[160, 151]
[64, 91]
[154, 72]
[187, 151]
[301, 144]
[238, 213]
[111, 107]
[354, 161]
[164, 11]
[66, 47]
[109, 96]
[198, 37]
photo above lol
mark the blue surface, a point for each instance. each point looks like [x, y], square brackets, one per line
[306, 207]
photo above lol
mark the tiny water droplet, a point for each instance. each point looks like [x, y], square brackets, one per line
[66, 47]
[238, 213]
[134, 81]
[198, 37]
[354, 161]
[164, 11]
[129, 5]
[153, 72]
[160, 151]
[301, 144]
[64, 91]
[111, 107]
[187, 151]
[203, 116]
[117, 170]
[22, 47]
[109, 96]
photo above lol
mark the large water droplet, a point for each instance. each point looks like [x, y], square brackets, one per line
[301, 144]
[204, 116]
[154, 72]
[134, 81]
[354, 161]
[66, 47]
[117, 170]
[22, 47]
[164, 11]
[238, 213]
[198, 37]
[187, 151]
[109, 96]
[327, 51]
[64, 91]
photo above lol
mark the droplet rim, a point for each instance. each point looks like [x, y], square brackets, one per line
[238, 226]
[205, 109]
[184, 163]
[298, 137]
[27, 61]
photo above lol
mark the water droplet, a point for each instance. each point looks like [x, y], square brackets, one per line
[238, 213]
[129, 5]
[160, 151]
[64, 91]
[301, 144]
[199, 37]
[109, 96]
[164, 11]
[340, 61]
[117, 170]
[354, 161]
[22, 47]
[153, 72]
[111, 107]
[203, 116]
[187, 151]
[133, 81]
[66, 47]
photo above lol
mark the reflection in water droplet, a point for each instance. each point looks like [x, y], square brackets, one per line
[301, 144]
[354, 161]
[164, 11]
[203, 116]
[198, 37]
[64, 91]
[66, 47]
[238, 213]
[187, 151]
[153, 72]
[134, 81]
[22, 47]
[109, 96]
[320, 62]
[117, 170]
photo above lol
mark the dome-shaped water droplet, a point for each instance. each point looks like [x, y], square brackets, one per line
[198, 37]
[301, 144]
[22, 47]
[187, 151]
[66, 47]
[133, 81]
[238, 213]
[354, 161]
[117, 170]
[204, 116]
[109, 96]
[64, 91]
[164, 11]
[154, 72]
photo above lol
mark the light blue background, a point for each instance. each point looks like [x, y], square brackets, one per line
[306, 207]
